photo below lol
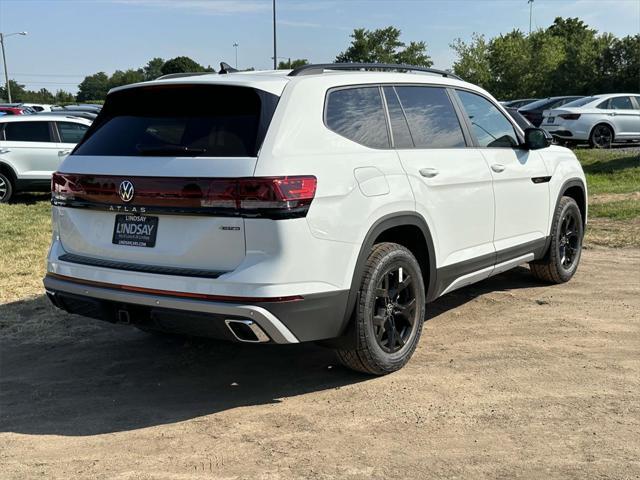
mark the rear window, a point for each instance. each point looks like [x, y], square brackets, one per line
[358, 114]
[71, 132]
[27, 132]
[181, 120]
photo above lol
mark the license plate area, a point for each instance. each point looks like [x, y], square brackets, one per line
[551, 119]
[135, 230]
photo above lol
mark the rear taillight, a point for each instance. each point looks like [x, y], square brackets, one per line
[268, 197]
[570, 116]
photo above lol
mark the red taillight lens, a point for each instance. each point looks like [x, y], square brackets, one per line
[269, 197]
[570, 116]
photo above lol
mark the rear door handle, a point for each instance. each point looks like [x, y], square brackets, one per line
[4, 150]
[497, 167]
[429, 172]
[62, 153]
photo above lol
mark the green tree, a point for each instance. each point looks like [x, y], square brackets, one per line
[291, 64]
[384, 46]
[63, 97]
[126, 77]
[473, 60]
[182, 65]
[153, 68]
[93, 87]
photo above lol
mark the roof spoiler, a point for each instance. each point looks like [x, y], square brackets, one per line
[314, 69]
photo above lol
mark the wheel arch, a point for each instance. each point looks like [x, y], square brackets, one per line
[8, 170]
[405, 228]
[606, 123]
[575, 189]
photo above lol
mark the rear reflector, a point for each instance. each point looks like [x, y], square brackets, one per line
[570, 116]
[171, 293]
[265, 197]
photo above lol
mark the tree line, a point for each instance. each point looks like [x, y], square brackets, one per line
[566, 58]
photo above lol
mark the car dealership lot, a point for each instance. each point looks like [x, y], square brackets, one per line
[511, 379]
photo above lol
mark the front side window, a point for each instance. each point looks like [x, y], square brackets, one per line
[621, 103]
[358, 114]
[27, 132]
[490, 126]
[432, 119]
[71, 132]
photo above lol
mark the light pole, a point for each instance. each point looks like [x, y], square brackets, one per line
[236, 45]
[4, 60]
[530, 2]
[275, 54]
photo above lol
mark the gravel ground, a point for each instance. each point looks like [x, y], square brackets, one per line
[512, 379]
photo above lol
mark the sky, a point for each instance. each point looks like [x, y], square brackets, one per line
[68, 39]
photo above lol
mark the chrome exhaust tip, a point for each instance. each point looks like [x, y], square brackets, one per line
[246, 331]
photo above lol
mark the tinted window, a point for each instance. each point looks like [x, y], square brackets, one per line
[71, 132]
[431, 116]
[181, 120]
[27, 132]
[490, 126]
[621, 103]
[358, 114]
[562, 101]
[580, 102]
[399, 126]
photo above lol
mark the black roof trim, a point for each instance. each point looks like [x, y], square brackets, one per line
[314, 69]
[183, 74]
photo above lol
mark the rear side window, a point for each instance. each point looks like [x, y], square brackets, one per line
[71, 132]
[432, 119]
[358, 114]
[490, 126]
[621, 103]
[181, 120]
[27, 132]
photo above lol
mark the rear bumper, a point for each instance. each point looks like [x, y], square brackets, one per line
[314, 317]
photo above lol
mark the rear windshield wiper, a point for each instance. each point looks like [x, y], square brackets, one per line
[169, 150]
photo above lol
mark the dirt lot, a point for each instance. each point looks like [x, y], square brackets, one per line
[512, 379]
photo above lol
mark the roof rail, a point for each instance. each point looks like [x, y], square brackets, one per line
[314, 69]
[183, 74]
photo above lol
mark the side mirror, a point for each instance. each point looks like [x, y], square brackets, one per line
[537, 138]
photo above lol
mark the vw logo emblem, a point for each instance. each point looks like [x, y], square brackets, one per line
[126, 191]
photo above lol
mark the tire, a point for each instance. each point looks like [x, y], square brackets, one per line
[6, 188]
[562, 259]
[390, 313]
[601, 136]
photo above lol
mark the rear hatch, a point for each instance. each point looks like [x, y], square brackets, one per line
[154, 184]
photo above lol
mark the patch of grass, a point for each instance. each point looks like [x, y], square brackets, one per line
[610, 171]
[617, 210]
[24, 240]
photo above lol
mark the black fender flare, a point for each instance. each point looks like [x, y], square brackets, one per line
[572, 182]
[381, 225]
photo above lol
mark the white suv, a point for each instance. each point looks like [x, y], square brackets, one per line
[32, 148]
[322, 204]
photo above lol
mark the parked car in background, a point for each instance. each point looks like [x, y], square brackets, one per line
[518, 103]
[14, 110]
[38, 107]
[600, 119]
[522, 122]
[79, 107]
[75, 113]
[533, 111]
[32, 147]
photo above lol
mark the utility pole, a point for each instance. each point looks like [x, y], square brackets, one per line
[4, 60]
[275, 54]
[530, 2]
[236, 45]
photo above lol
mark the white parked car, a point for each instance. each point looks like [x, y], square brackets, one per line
[39, 107]
[601, 120]
[322, 204]
[32, 148]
